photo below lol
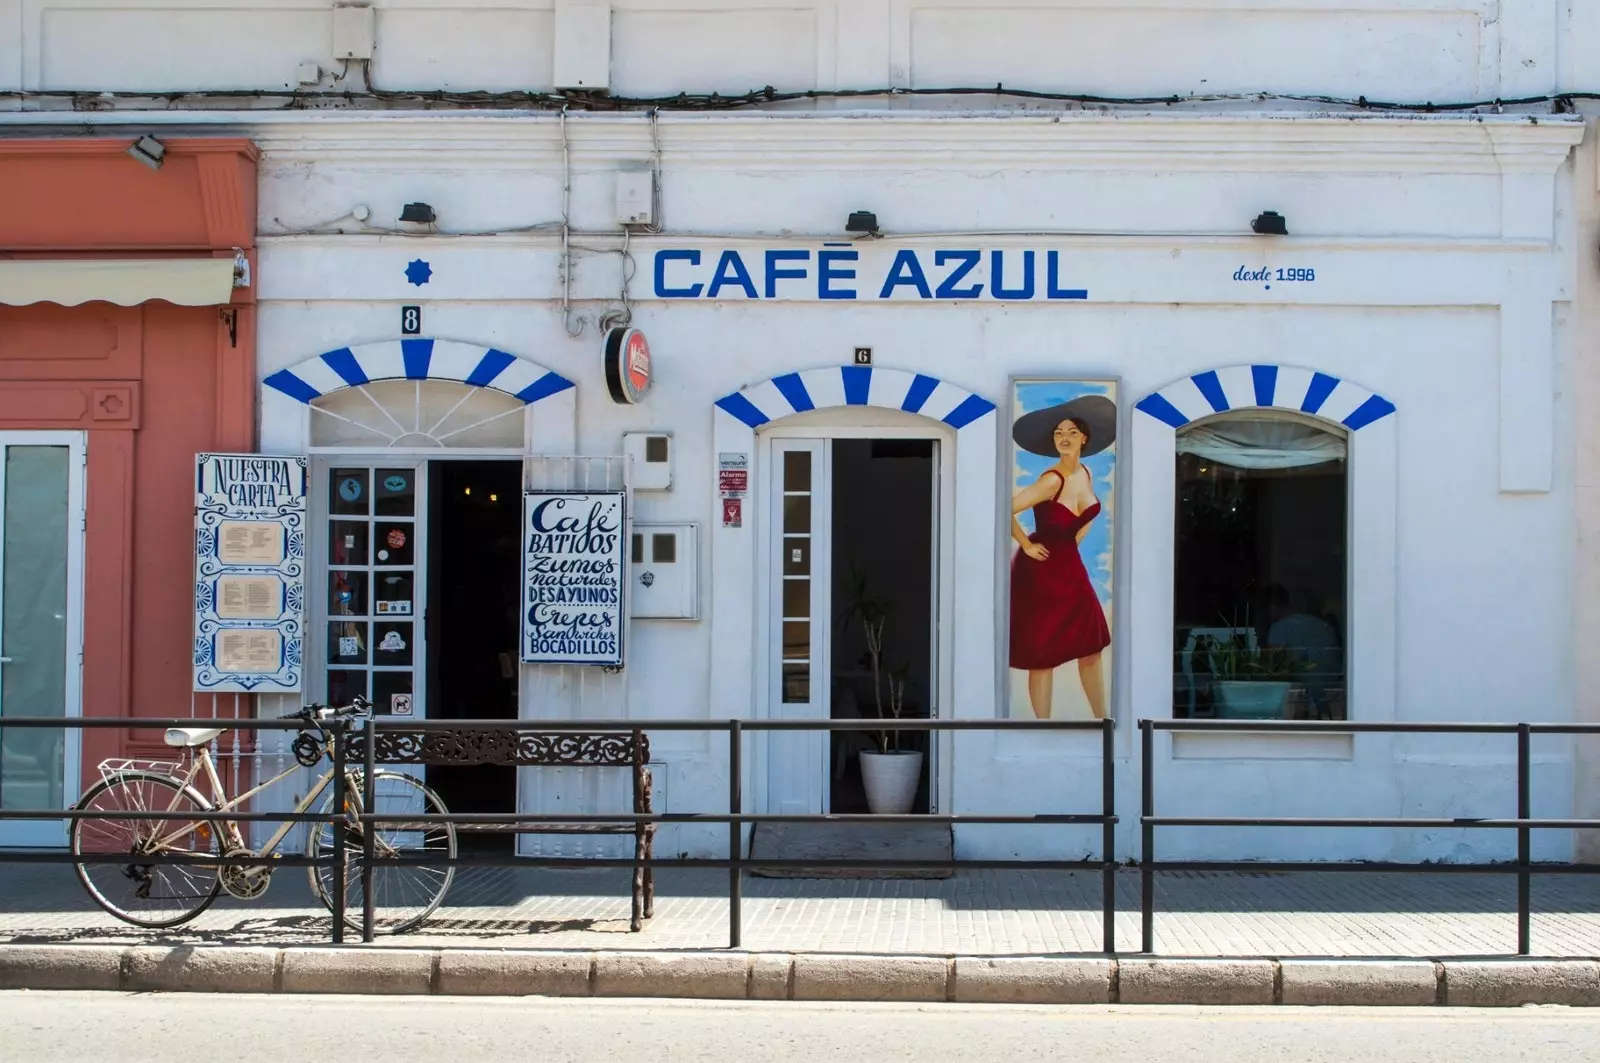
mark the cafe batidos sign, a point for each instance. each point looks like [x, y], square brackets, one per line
[573, 586]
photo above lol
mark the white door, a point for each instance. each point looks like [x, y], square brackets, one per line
[800, 516]
[41, 624]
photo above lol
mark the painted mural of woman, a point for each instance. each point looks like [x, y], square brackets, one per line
[1056, 616]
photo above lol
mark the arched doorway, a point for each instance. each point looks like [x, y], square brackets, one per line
[417, 454]
[850, 527]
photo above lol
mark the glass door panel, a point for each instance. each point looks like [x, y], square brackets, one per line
[39, 536]
[798, 536]
[372, 578]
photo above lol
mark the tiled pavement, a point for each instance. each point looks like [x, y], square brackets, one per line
[976, 912]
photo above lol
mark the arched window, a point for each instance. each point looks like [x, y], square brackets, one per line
[417, 413]
[1261, 567]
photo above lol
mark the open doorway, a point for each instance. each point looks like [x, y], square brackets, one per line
[882, 550]
[474, 556]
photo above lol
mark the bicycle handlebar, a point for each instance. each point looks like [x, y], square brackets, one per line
[315, 713]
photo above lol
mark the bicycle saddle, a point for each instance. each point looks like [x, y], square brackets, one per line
[192, 736]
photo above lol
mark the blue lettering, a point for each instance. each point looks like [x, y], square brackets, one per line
[968, 262]
[906, 270]
[1052, 273]
[775, 274]
[997, 280]
[827, 274]
[730, 270]
[662, 258]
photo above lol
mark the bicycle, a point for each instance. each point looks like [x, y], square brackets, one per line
[167, 894]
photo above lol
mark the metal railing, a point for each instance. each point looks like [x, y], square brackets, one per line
[335, 860]
[737, 863]
[736, 818]
[1523, 823]
[340, 858]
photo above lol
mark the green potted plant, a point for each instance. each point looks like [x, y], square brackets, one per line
[1250, 682]
[889, 776]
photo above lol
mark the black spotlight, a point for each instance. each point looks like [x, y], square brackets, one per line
[420, 213]
[1270, 223]
[862, 221]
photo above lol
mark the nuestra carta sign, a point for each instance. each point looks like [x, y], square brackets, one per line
[572, 590]
[866, 271]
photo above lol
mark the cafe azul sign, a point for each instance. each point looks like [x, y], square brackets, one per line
[865, 271]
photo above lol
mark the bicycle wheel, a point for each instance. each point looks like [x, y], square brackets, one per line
[402, 895]
[146, 894]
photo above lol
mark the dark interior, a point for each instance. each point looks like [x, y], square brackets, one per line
[882, 531]
[1240, 534]
[474, 556]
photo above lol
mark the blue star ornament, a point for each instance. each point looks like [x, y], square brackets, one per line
[418, 272]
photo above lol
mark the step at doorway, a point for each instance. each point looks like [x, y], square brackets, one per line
[852, 841]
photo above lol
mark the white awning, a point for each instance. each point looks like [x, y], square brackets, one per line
[124, 281]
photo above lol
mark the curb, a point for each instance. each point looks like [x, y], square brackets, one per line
[724, 975]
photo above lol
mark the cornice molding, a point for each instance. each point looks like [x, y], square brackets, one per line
[1475, 144]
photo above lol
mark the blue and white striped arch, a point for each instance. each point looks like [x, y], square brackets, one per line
[418, 359]
[855, 385]
[1278, 387]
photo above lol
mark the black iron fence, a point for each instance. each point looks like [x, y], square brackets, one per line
[335, 861]
[366, 736]
[736, 818]
[358, 743]
[1523, 822]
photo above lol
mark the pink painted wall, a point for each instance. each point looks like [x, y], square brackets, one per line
[151, 385]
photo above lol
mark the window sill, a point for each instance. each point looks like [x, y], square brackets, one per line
[1261, 745]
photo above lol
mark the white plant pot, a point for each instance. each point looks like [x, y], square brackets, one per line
[1240, 699]
[891, 781]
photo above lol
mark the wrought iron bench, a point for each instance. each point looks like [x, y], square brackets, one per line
[470, 746]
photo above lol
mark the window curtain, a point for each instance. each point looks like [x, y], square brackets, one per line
[1261, 443]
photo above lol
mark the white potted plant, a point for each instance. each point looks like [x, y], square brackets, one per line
[891, 775]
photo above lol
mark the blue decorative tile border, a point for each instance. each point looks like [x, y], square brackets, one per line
[418, 359]
[1266, 387]
[855, 385]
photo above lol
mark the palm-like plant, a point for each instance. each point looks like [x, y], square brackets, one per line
[872, 612]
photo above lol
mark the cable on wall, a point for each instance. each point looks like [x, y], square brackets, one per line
[566, 233]
[1559, 103]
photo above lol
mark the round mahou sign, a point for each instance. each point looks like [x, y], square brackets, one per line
[627, 360]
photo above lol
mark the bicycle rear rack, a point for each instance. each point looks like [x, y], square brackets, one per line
[111, 768]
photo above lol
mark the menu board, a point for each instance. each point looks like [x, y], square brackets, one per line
[574, 577]
[249, 587]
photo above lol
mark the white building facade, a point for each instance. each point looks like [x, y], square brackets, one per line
[837, 399]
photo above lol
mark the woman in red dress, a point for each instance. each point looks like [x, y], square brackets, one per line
[1056, 616]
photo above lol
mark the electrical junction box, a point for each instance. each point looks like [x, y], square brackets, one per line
[636, 199]
[583, 45]
[352, 32]
[664, 572]
[650, 455]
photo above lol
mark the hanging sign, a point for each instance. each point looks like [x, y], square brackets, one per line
[249, 572]
[572, 590]
[627, 360]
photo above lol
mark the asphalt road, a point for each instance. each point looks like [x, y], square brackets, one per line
[133, 1028]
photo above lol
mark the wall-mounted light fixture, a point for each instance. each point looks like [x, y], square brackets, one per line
[1270, 223]
[150, 151]
[418, 214]
[862, 221]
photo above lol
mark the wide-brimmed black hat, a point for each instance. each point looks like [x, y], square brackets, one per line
[1035, 432]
